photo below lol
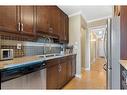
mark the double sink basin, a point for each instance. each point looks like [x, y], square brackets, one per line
[50, 56]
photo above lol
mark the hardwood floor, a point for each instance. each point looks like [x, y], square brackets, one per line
[93, 79]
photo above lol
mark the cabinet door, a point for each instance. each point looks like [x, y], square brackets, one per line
[62, 74]
[55, 23]
[69, 69]
[9, 18]
[62, 25]
[73, 65]
[123, 28]
[66, 29]
[27, 19]
[43, 19]
[52, 77]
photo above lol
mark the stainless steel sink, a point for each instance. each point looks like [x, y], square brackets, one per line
[49, 55]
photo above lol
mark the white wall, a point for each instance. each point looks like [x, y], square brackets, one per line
[93, 40]
[83, 44]
[87, 49]
[74, 39]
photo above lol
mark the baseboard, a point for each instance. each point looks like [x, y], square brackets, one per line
[79, 76]
[93, 61]
[87, 69]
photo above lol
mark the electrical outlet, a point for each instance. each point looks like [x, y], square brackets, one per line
[19, 45]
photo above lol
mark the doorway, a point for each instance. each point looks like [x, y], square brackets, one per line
[95, 76]
[97, 53]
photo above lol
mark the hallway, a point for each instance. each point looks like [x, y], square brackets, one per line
[94, 79]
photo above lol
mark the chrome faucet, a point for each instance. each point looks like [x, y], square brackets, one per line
[49, 40]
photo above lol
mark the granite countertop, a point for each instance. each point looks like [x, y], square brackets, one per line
[124, 63]
[26, 60]
[16, 61]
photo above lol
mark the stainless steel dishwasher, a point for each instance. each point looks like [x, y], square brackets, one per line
[29, 76]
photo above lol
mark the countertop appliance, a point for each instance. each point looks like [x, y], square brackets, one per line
[6, 54]
[112, 53]
[68, 49]
[27, 76]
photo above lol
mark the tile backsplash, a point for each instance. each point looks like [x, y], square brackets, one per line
[33, 48]
[28, 48]
[10, 42]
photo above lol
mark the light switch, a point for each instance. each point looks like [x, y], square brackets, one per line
[19, 45]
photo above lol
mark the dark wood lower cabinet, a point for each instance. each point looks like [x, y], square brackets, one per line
[62, 74]
[60, 71]
[52, 74]
[73, 65]
[69, 68]
[52, 78]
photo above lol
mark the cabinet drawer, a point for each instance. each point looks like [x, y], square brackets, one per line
[53, 62]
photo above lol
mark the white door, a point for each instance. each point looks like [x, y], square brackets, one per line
[101, 48]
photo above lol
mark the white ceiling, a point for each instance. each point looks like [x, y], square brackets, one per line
[89, 12]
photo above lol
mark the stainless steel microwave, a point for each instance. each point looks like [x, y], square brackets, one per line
[6, 54]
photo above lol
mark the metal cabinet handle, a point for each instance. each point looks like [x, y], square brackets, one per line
[59, 68]
[50, 29]
[22, 27]
[19, 26]
[105, 67]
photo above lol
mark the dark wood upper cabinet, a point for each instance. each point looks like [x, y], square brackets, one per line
[66, 29]
[9, 18]
[48, 20]
[64, 22]
[42, 19]
[17, 19]
[55, 20]
[123, 28]
[32, 20]
[62, 29]
[51, 20]
[27, 19]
